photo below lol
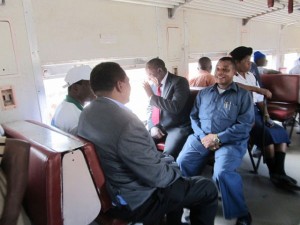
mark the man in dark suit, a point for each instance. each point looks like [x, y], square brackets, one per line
[142, 183]
[168, 109]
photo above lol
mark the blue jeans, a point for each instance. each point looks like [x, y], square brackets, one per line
[192, 159]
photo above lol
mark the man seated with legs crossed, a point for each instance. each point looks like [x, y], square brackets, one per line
[142, 183]
[222, 118]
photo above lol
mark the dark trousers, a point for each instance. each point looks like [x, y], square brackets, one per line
[175, 139]
[196, 193]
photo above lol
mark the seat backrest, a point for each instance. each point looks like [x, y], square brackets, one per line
[193, 94]
[15, 166]
[284, 88]
[98, 175]
[60, 188]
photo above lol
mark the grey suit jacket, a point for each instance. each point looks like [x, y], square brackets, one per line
[132, 166]
[173, 103]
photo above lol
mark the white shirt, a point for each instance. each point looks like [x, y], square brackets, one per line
[296, 69]
[163, 82]
[66, 117]
[1, 131]
[261, 70]
[249, 80]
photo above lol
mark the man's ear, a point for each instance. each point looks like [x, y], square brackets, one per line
[119, 86]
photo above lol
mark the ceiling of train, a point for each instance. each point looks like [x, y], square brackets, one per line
[257, 10]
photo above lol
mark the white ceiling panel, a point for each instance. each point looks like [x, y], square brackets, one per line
[256, 10]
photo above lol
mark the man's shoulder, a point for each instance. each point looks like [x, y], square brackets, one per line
[105, 107]
[207, 90]
[177, 77]
[64, 105]
[242, 91]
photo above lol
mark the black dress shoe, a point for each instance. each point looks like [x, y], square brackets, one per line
[284, 182]
[244, 220]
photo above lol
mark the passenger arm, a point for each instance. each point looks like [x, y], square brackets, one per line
[195, 121]
[179, 99]
[139, 154]
[256, 89]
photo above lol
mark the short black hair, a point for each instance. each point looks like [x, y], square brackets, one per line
[105, 76]
[228, 59]
[156, 63]
[205, 63]
[241, 52]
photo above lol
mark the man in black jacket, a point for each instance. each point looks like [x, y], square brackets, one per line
[168, 108]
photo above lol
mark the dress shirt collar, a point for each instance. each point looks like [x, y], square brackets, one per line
[233, 86]
[117, 102]
[163, 82]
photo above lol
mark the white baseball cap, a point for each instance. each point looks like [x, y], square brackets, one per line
[76, 74]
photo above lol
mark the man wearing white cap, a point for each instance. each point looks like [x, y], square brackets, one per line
[79, 92]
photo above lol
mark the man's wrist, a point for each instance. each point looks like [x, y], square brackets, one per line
[217, 140]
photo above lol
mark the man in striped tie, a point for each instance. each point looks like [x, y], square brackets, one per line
[168, 108]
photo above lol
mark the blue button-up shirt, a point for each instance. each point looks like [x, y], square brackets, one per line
[228, 114]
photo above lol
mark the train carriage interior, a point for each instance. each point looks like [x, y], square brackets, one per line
[40, 41]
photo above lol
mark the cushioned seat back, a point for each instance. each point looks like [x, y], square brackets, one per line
[98, 175]
[60, 187]
[284, 88]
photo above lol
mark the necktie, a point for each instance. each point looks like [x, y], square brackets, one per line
[155, 110]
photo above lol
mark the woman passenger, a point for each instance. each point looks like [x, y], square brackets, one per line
[276, 137]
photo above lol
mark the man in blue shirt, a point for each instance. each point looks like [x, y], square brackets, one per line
[222, 118]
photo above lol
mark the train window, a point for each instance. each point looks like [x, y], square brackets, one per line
[271, 62]
[193, 69]
[138, 99]
[289, 61]
[55, 93]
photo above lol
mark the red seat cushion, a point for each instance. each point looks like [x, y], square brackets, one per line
[282, 112]
[160, 146]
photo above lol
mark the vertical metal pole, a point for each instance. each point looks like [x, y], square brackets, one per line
[36, 64]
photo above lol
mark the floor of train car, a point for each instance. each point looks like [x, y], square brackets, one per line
[268, 205]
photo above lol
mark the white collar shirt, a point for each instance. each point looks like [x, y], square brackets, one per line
[249, 80]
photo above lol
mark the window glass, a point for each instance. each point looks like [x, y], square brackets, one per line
[214, 64]
[138, 98]
[193, 68]
[55, 93]
[271, 62]
[289, 61]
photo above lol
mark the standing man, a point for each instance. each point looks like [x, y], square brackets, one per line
[205, 78]
[168, 109]
[222, 118]
[142, 184]
[79, 92]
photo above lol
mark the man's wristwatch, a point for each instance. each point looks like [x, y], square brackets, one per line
[217, 140]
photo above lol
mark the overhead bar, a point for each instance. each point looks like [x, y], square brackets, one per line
[246, 20]
[172, 11]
